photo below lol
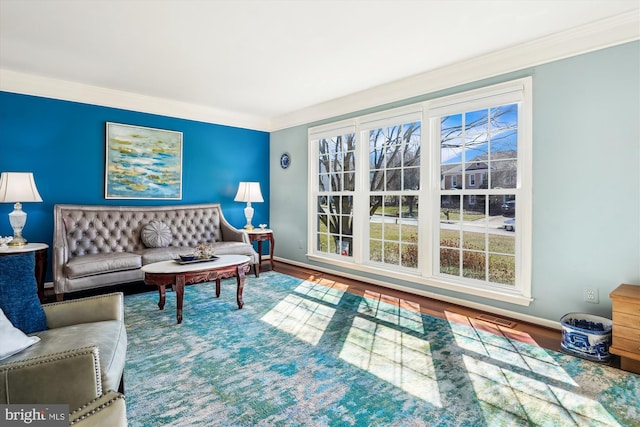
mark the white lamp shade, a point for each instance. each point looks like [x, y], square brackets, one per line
[249, 192]
[18, 187]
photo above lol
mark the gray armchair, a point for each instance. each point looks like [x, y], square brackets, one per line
[80, 355]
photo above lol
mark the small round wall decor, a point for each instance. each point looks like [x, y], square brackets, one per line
[285, 160]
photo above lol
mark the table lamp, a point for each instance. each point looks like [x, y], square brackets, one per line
[18, 187]
[248, 192]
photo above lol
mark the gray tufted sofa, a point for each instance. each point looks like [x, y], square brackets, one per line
[98, 246]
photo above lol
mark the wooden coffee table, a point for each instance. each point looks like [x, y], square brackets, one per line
[177, 275]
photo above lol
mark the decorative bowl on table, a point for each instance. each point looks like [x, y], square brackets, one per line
[188, 257]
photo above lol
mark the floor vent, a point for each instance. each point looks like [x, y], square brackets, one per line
[497, 320]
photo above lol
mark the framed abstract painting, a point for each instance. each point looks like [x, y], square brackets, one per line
[143, 163]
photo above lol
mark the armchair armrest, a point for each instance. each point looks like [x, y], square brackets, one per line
[85, 310]
[108, 410]
[71, 377]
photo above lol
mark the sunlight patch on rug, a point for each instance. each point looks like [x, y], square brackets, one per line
[300, 317]
[393, 356]
[304, 313]
[507, 394]
[506, 350]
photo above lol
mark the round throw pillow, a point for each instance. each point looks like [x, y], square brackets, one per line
[156, 234]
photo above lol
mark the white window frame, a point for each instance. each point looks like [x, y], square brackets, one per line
[516, 91]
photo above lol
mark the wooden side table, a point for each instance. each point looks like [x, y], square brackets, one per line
[40, 272]
[260, 235]
[626, 326]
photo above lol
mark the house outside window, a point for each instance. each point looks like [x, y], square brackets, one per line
[416, 193]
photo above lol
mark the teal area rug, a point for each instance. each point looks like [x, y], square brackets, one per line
[303, 354]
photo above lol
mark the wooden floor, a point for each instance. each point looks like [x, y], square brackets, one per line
[542, 336]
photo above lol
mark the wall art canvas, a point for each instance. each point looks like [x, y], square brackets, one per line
[143, 163]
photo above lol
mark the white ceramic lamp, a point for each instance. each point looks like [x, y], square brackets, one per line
[18, 187]
[249, 192]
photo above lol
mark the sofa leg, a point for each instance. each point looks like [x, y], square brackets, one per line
[121, 386]
[59, 297]
[256, 269]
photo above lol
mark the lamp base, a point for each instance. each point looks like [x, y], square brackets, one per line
[17, 219]
[17, 241]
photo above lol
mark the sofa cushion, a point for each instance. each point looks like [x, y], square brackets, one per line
[233, 248]
[163, 254]
[89, 265]
[19, 292]
[13, 339]
[156, 234]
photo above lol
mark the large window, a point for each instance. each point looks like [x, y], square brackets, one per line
[437, 193]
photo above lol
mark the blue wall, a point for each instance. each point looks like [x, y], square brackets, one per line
[63, 144]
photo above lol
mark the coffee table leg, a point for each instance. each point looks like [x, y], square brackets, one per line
[240, 279]
[218, 287]
[179, 288]
[163, 292]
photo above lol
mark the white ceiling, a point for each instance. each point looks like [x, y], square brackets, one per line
[269, 58]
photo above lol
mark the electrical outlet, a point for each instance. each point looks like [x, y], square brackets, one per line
[591, 295]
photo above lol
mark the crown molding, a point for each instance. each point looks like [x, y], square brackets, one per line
[598, 35]
[594, 36]
[28, 84]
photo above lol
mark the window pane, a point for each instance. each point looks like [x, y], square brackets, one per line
[450, 208]
[322, 244]
[477, 122]
[476, 175]
[504, 174]
[324, 182]
[349, 181]
[409, 255]
[410, 208]
[450, 261]
[451, 150]
[333, 243]
[474, 265]
[503, 242]
[376, 149]
[502, 269]
[476, 148]
[411, 179]
[323, 164]
[391, 252]
[504, 117]
[375, 250]
[394, 179]
[376, 180]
